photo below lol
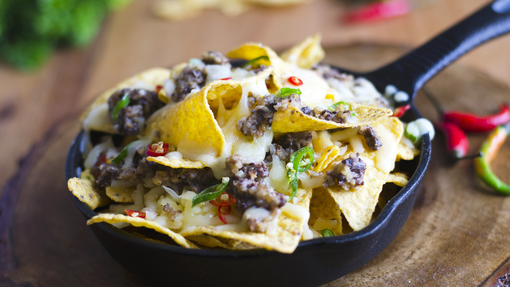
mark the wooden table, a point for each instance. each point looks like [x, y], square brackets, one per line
[37, 107]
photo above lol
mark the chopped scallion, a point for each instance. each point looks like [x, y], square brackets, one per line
[253, 61]
[118, 159]
[327, 233]
[124, 102]
[285, 92]
[210, 193]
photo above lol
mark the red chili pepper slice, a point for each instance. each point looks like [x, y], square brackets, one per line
[295, 81]
[474, 123]
[400, 111]
[102, 159]
[158, 88]
[157, 149]
[218, 202]
[224, 210]
[226, 79]
[135, 213]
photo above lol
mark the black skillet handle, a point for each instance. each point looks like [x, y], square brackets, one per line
[413, 70]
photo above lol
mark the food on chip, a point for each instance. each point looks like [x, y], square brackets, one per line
[240, 151]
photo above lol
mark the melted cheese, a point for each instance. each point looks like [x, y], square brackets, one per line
[314, 89]
[97, 118]
[385, 156]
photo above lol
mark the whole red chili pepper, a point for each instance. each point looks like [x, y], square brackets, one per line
[400, 111]
[470, 122]
[474, 123]
[457, 143]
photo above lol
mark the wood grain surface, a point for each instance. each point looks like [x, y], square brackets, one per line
[457, 234]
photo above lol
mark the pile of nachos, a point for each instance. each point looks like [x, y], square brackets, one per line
[243, 150]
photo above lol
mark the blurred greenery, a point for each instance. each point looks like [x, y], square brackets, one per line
[30, 30]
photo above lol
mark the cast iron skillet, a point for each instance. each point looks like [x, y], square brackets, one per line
[319, 260]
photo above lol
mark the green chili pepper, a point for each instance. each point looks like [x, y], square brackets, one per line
[253, 61]
[489, 149]
[285, 92]
[327, 233]
[210, 193]
[121, 155]
[301, 161]
[124, 102]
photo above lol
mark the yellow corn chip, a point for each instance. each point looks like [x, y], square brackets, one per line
[305, 54]
[324, 207]
[405, 152]
[285, 239]
[85, 191]
[397, 178]
[140, 222]
[176, 163]
[119, 194]
[327, 157]
[293, 120]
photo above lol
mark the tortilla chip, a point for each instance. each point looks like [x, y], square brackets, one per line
[405, 152]
[140, 222]
[293, 120]
[358, 205]
[227, 243]
[397, 178]
[326, 158]
[119, 194]
[175, 163]
[85, 191]
[323, 206]
[305, 54]
[285, 239]
[183, 125]
[146, 79]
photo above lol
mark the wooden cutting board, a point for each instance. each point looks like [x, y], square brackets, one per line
[458, 233]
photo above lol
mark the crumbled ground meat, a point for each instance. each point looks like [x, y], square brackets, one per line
[170, 212]
[327, 72]
[105, 174]
[372, 139]
[256, 69]
[214, 58]
[347, 174]
[178, 179]
[263, 109]
[339, 115]
[190, 78]
[248, 186]
[142, 104]
[504, 281]
[291, 142]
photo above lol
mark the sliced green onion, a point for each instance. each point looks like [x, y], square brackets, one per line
[124, 102]
[210, 193]
[285, 92]
[87, 177]
[327, 233]
[336, 105]
[253, 61]
[412, 132]
[121, 155]
[301, 161]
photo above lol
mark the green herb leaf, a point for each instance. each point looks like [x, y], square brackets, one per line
[121, 155]
[327, 233]
[336, 105]
[210, 193]
[285, 92]
[87, 177]
[124, 102]
[301, 161]
[253, 61]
